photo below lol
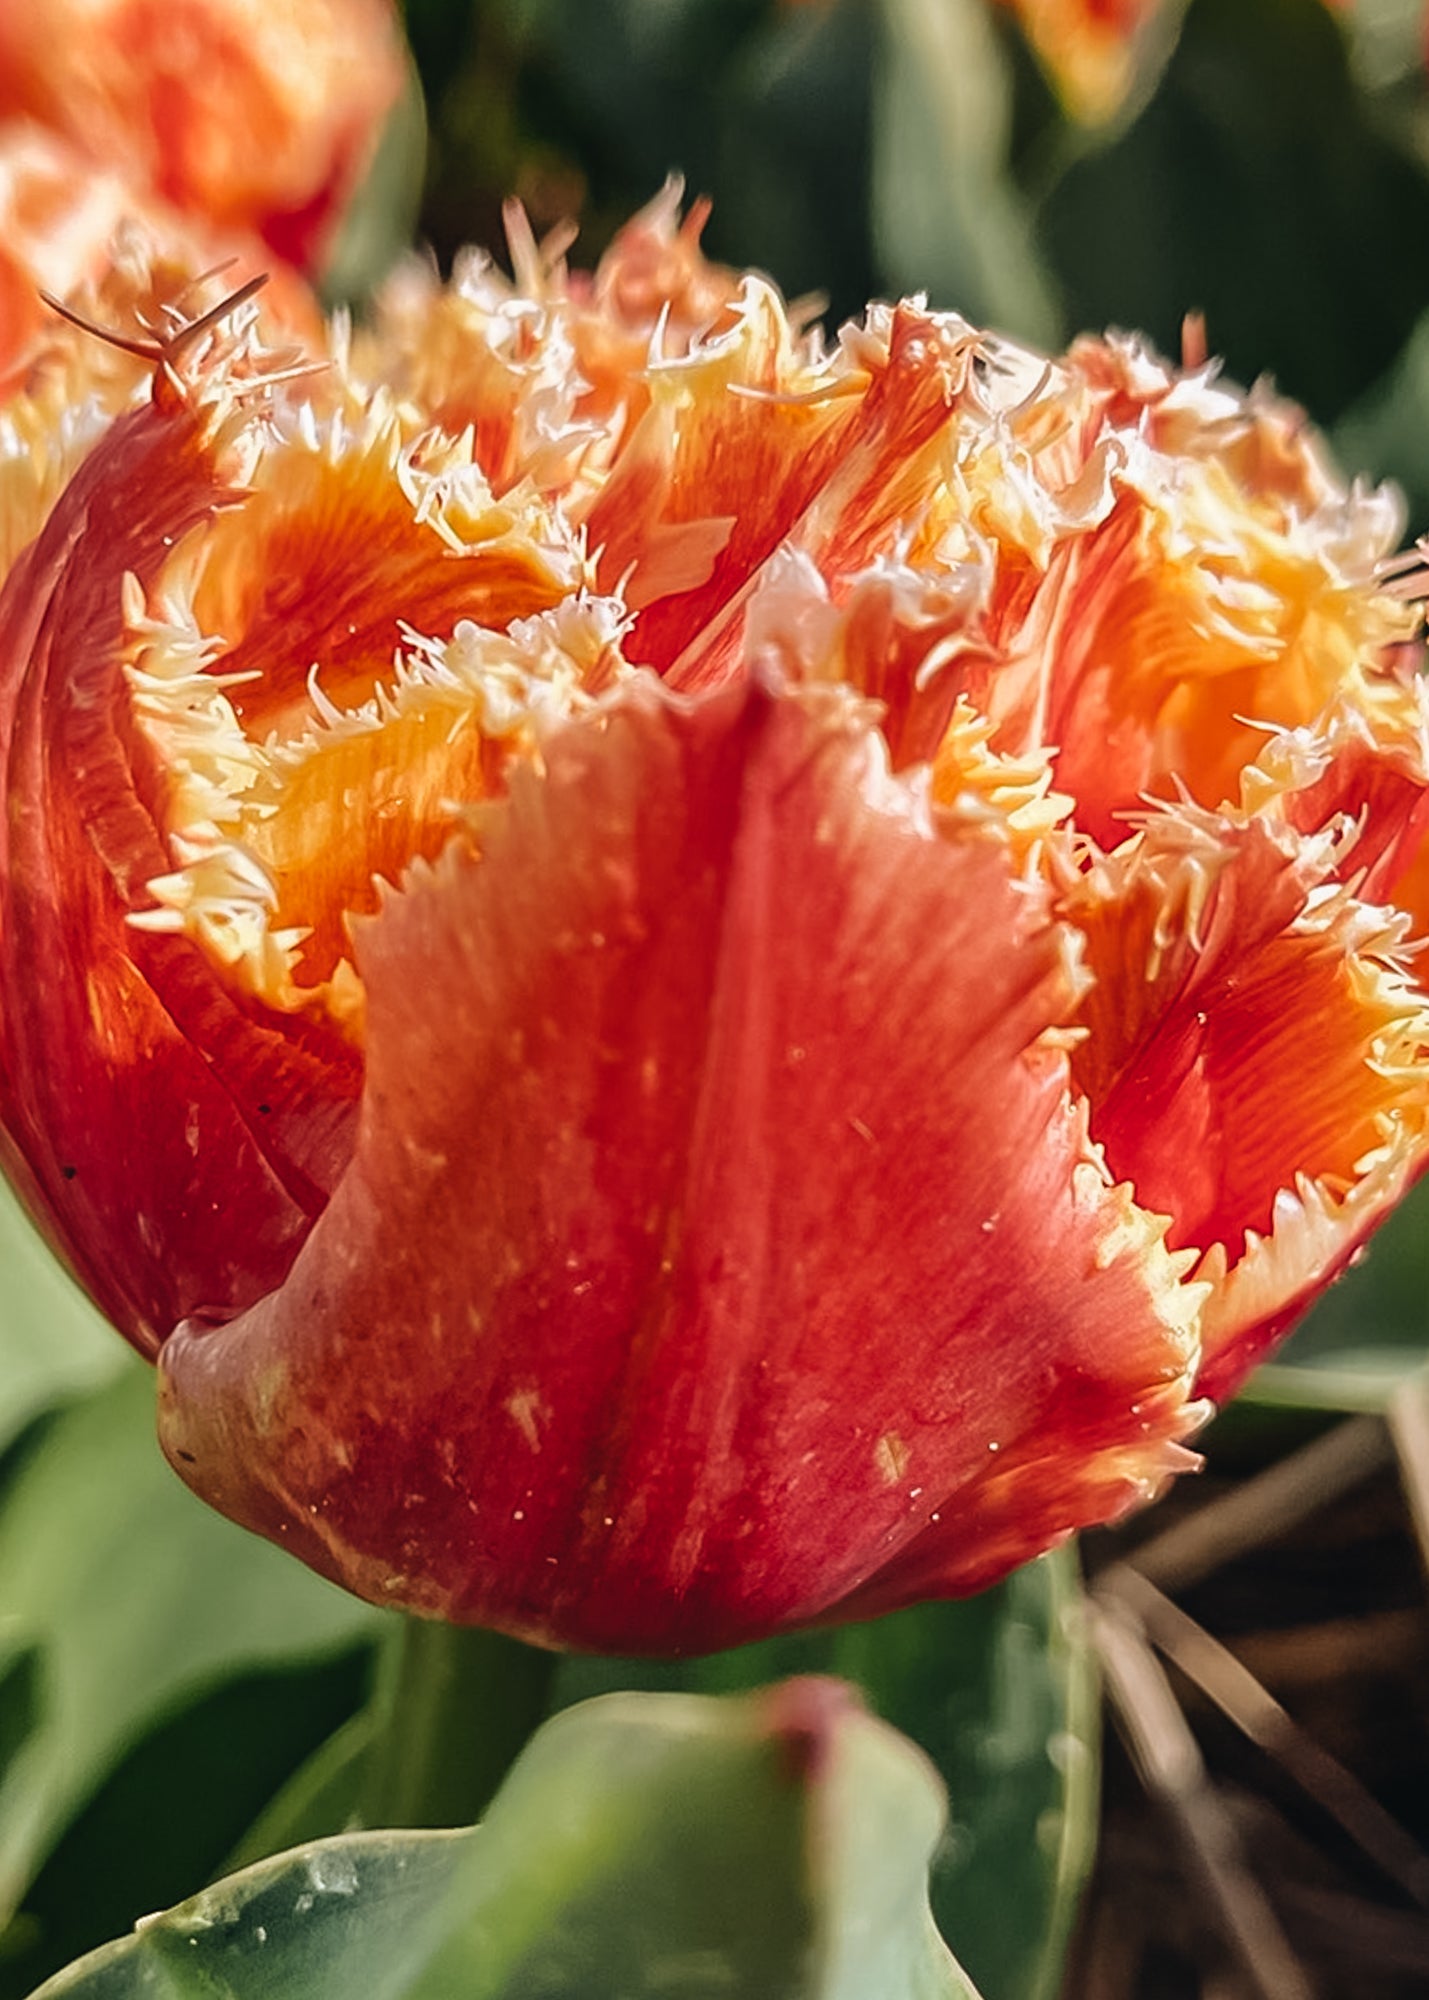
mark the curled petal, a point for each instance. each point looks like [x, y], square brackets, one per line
[910, 641]
[1365, 770]
[1256, 1062]
[655, 274]
[899, 636]
[553, 373]
[341, 535]
[738, 436]
[1166, 656]
[1177, 573]
[719, 1214]
[175, 1149]
[886, 473]
[308, 754]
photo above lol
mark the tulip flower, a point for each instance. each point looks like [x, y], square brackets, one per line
[78, 233]
[690, 983]
[255, 119]
[1088, 48]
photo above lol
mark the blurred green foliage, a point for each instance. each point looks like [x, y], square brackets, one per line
[1268, 167]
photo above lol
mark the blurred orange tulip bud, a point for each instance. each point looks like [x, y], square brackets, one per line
[259, 119]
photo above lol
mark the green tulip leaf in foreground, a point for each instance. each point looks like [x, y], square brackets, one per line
[773, 1847]
[1001, 1692]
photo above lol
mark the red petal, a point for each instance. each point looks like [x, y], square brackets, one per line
[174, 1150]
[718, 1218]
[835, 476]
[1256, 1065]
[1364, 767]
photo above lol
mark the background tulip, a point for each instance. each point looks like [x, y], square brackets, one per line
[89, 235]
[255, 119]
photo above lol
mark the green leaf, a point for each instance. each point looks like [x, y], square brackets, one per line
[1386, 41]
[379, 221]
[947, 216]
[1385, 433]
[1000, 1691]
[1258, 187]
[790, 174]
[53, 1344]
[136, 1599]
[773, 1848]
[321, 1796]
[192, 1784]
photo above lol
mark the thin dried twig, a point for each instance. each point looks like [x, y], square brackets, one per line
[1330, 1649]
[1169, 1762]
[1254, 1710]
[166, 348]
[1266, 1506]
[1408, 1417]
[1348, 1927]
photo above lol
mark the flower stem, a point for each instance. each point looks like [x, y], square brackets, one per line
[456, 1706]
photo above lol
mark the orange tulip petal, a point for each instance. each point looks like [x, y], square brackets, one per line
[738, 436]
[551, 374]
[1256, 1063]
[1364, 771]
[333, 550]
[1177, 573]
[719, 1213]
[315, 741]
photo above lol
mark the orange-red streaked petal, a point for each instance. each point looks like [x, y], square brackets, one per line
[1365, 771]
[176, 1149]
[887, 464]
[334, 549]
[738, 436]
[1256, 1062]
[719, 1212]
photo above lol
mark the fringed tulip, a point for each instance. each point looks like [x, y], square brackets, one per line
[92, 237]
[687, 983]
[255, 119]
[1087, 48]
